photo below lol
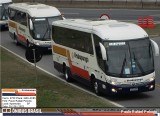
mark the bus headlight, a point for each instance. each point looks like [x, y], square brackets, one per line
[114, 82]
[151, 79]
[114, 90]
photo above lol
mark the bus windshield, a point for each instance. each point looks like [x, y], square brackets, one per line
[129, 58]
[42, 27]
[3, 11]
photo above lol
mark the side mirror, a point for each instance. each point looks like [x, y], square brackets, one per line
[156, 48]
[30, 24]
[103, 51]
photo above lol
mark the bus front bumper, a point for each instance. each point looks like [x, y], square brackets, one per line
[45, 46]
[112, 89]
[3, 24]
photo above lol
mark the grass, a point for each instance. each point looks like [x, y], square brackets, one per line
[153, 31]
[51, 92]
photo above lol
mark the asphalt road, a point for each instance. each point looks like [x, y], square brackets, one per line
[117, 14]
[147, 99]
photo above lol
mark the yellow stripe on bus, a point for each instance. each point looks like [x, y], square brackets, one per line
[59, 50]
[12, 24]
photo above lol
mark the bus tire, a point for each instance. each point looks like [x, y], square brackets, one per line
[67, 74]
[95, 87]
[15, 40]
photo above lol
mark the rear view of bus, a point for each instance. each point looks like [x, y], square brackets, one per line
[113, 57]
[4, 13]
[30, 23]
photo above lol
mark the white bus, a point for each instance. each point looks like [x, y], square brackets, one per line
[4, 13]
[112, 57]
[30, 23]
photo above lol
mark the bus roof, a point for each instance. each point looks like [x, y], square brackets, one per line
[36, 9]
[106, 29]
[5, 1]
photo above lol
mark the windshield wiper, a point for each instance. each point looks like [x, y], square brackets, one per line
[46, 30]
[139, 65]
[124, 61]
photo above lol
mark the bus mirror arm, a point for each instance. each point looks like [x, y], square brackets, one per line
[30, 24]
[103, 51]
[156, 48]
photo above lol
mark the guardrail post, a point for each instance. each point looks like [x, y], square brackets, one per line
[156, 2]
[142, 3]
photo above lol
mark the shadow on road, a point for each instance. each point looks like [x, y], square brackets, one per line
[126, 97]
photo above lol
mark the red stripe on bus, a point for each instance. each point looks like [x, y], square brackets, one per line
[80, 72]
[76, 70]
[22, 38]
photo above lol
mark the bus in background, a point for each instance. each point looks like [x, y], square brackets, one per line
[112, 57]
[4, 13]
[30, 23]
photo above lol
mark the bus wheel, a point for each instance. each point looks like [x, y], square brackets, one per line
[15, 40]
[68, 75]
[96, 87]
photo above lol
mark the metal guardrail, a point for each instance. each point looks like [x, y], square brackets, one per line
[140, 1]
[100, 3]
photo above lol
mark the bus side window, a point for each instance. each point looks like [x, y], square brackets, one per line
[23, 19]
[12, 14]
[100, 61]
[88, 44]
[83, 41]
[72, 38]
[18, 16]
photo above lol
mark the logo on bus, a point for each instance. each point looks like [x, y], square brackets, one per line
[117, 43]
[82, 58]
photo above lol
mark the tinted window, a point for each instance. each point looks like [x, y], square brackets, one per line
[72, 38]
[18, 16]
[12, 14]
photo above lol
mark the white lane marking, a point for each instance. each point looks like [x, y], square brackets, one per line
[156, 15]
[114, 103]
[71, 13]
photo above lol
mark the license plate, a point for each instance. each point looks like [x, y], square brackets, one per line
[134, 89]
